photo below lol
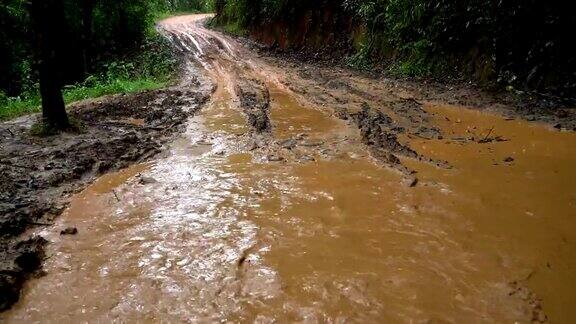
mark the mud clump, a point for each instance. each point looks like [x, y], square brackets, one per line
[519, 290]
[255, 102]
[18, 262]
[69, 231]
[379, 133]
[378, 130]
[37, 174]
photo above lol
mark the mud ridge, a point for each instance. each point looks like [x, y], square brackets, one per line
[37, 175]
[255, 103]
[380, 134]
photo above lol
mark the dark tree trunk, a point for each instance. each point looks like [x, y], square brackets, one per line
[48, 19]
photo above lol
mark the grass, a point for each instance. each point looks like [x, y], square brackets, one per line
[167, 14]
[41, 129]
[231, 27]
[235, 29]
[15, 107]
[152, 66]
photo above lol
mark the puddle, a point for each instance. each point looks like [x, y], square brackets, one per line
[518, 193]
[209, 233]
[289, 121]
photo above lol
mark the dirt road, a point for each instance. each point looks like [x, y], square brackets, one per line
[307, 193]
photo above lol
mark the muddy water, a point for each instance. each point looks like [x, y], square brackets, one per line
[519, 195]
[213, 232]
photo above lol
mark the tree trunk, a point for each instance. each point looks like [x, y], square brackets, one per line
[48, 18]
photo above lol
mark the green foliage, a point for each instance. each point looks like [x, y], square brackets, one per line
[151, 67]
[122, 52]
[526, 43]
[17, 106]
[42, 129]
[14, 51]
[361, 60]
[234, 28]
[3, 98]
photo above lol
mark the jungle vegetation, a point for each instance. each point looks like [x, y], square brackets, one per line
[525, 44]
[95, 47]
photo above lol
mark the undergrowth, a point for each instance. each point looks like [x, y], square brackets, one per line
[149, 67]
[526, 44]
[41, 129]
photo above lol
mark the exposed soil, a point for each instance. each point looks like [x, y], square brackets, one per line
[38, 175]
[329, 68]
[386, 108]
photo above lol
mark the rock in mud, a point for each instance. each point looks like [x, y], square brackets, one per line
[312, 143]
[204, 142]
[147, 180]
[275, 158]
[412, 182]
[288, 144]
[69, 231]
[307, 158]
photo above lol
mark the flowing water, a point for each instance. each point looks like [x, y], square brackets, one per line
[214, 231]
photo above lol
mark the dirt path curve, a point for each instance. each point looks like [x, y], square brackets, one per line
[312, 194]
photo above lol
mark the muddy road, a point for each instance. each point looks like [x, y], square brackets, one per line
[306, 193]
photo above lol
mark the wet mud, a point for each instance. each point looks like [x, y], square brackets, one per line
[331, 69]
[307, 193]
[39, 175]
[255, 103]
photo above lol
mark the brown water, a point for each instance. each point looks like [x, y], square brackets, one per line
[221, 234]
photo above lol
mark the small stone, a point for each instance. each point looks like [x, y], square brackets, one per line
[307, 158]
[251, 146]
[288, 144]
[412, 182]
[312, 143]
[562, 113]
[275, 158]
[509, 159]
[204, 142]
[147, 180]
[69, 231]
